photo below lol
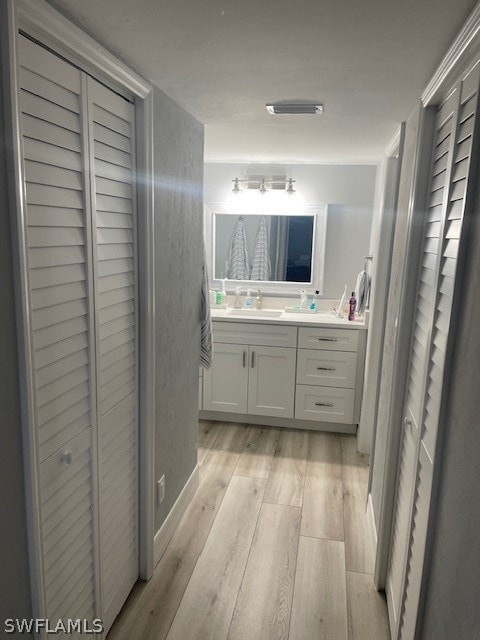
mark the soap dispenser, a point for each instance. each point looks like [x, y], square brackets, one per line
[249, 300]
[314, 302]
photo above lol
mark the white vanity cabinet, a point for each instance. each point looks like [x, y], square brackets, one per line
[285, 375]
[328, 375]
[253, 370]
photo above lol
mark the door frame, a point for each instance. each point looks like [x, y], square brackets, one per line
[43, 23]
[385, 210]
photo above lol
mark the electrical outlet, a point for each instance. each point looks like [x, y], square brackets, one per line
[161, 490]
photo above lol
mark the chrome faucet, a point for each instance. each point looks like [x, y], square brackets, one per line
[258, 300]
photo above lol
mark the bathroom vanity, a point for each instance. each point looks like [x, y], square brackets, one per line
[285, 369]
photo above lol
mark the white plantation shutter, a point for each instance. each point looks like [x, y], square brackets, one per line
[455, 200]
[423, 316]
[79, 166]
[58, 260]
[112, 155]
[456, 127]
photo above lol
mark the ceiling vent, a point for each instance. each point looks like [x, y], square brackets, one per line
[300, 108]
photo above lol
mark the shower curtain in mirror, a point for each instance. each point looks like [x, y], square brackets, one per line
[238, 264]
[261, 254]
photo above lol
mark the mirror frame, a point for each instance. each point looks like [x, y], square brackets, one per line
[318, 211]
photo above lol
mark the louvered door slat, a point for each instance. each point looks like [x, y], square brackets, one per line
[112, 162]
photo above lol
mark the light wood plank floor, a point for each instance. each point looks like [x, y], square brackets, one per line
[273, 546]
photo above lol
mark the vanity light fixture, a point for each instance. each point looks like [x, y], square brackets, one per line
[301, 108]
[264, 184]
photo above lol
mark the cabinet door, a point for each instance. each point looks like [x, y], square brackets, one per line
[225, 383]
[271, 386]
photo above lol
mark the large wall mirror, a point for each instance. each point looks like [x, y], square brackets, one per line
[278, 252]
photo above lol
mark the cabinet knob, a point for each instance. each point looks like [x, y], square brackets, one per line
[66, 457]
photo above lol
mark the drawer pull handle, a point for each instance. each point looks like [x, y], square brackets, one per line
[253, 359]
[67, 457]
[326, 368]
[324, 404]
[244, 361]
[328, 339]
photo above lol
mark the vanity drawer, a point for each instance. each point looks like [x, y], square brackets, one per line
[324, 404]
[275, 335]
[328, 339]
[327, 368]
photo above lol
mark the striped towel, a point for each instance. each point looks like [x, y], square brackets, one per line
[238, 264]
[261, 254]
[205, 320]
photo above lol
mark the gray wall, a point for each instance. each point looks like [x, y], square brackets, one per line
[14, 576]
[452, 607]
[393, 311]
[178, 165]
[347, 189]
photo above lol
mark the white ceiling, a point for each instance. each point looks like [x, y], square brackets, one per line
[367, 61]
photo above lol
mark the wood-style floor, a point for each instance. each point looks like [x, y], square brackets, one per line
[273, 546]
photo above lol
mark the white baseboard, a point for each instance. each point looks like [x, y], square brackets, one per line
[168, 528]
[372, 539]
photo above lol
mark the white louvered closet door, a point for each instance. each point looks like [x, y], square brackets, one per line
[456, 127]
[112, 162]
[58, 272]
[80, 247]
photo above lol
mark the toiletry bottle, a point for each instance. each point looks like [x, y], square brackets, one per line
[352, 307]
[237, 302]
[314, 302]
[303, 299]
[249, 300]
[218, 297]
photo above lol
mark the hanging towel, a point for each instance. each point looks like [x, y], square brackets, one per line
[261, 253]
[362, 291]
[205, 320]
[238, 263]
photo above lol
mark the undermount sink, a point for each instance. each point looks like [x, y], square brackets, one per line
[256, 313]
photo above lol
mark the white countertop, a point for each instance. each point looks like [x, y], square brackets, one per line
[327, 320]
